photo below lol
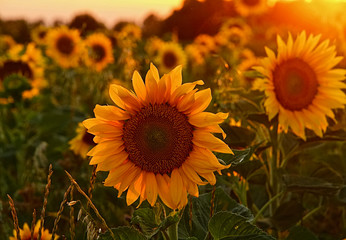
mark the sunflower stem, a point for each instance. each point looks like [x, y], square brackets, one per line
[273, 165]
[173, 231]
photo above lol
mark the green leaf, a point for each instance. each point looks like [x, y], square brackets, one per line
[299, 232]
[201, 213]
[123, 233]
[287, 214]
[228, 225]
[240, 156]
[297, 183]
[145, 219]
[238, 136]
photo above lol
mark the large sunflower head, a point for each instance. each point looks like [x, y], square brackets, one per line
[170, 55]
[99, 52]
[64, 46]
[250, 7]
[301, 85]
[82, 142]
[25, 233]
[158, 141]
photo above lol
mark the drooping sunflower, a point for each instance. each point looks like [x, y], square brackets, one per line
[170, 55]
[38, 34]
[82, 142]
[250, 7]
[64, 46]
[25, 233]
[99, 52]
[158, 141]
[301, 85]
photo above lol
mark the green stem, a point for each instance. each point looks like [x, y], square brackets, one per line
[259, 213]
[273, 164]
[173, 231]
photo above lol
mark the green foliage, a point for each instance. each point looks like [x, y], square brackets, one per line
[231, 226]
[123, 233]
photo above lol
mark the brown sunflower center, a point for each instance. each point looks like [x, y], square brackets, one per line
[65, 45]
[158, 138]
[88, 138]
[295, 84]
[234, 38]
[169, 59]
[251, 2]
[98, 52]
[19, 67]
[42, 34]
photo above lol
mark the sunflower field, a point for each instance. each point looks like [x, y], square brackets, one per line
[226, 120]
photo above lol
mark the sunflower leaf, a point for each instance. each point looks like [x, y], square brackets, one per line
[228, 225]
[198, 225]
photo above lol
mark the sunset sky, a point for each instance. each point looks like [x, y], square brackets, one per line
[107, 11]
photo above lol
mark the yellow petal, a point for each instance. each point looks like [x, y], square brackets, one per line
[208, 140]
[108, 147]
[204, 119]
[164, 191]
[151, 189]
[139, 86]
[202, 101]
[176, 186]
[134, 190]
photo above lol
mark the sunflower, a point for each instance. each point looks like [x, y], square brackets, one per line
[205, 43]
[25, 233]
[64, 46]
[38, 34]
[301, 86]
[250, 7]
[82, 142]
[29, 54]
[236, 23]
[153, 46]
[6, 42]
[99, 51]
[170, 55]
[194, 55]
[159, 141]
[30, 71]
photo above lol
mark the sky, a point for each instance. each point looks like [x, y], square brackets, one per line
[107, 11]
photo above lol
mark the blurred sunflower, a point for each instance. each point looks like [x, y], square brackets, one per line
[170, 55]
[63, 45]
[29, 54]
[38, 34]
[159, 141]
[301, 86]
[236, 23]
[99, 52]
[250, 7]
[30, 71]
[194, 55]
[131, 31]
[6, 42]
[205, 43]
[25, 233]
[232, 38]
[153, 46]
[82, 142]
